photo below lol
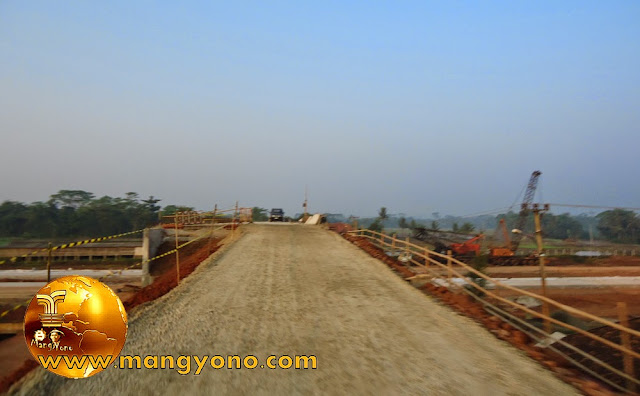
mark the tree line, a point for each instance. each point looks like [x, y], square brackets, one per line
[78, 213]
[617, 225]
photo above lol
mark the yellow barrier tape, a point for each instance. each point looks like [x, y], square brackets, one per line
[111, 273]
[15, 308]
[69, 245]
[151, 259]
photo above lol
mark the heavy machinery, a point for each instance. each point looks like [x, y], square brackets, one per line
[461, 245]
[506, 254]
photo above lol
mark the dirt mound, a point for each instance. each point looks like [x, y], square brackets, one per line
[469, 307]
[340, 228]
[190, 257]
[7, 381]
[378, 253]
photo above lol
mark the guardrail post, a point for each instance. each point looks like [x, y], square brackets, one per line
[49, 264]
[449, 269]
[406, 247]
[623, 316]
[211, 234]
[146, 278]
[175, 224]
[393, 241]
[426, 258]
[235, 217]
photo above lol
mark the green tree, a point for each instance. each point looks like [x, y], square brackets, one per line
[619, 225]
[71, 198]
[382, 214]
[467, 228]
[435, 225]
[13, 218]
[561, 227]
[455, 227]
[376, 225]
[41, 221]
[402, 223]
[413, 224]
[259, 214]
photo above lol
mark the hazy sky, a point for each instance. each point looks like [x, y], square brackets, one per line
[417, 106]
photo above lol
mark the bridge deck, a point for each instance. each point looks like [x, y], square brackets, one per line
[293, 289]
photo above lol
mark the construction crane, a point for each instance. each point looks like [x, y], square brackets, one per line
[506, 253]
[524, 210]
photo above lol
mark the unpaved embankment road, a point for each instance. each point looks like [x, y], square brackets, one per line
[294, 289]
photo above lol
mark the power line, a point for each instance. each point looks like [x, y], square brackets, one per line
[487, 212]
[594, 206]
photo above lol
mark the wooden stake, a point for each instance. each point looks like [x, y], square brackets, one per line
[623, 316]
[235, 215]
[49, 264]
[177, 251]
[449, 269]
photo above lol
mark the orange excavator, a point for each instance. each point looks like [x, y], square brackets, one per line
[443, 241]
[467, 248]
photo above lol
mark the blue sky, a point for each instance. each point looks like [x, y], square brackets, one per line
[417, 106]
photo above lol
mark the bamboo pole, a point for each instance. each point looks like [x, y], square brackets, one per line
[540, 315]
[449, 269]
[175, 224]
[211, 234]
[49, 263]
[235, 216]
[556, 304]
[627, 359]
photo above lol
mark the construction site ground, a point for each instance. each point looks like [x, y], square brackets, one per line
[15, 359]
[590, 294]
[300, 290]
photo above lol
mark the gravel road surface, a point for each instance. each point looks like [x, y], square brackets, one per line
[301, 290]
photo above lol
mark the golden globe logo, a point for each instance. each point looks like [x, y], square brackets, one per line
[75, 326]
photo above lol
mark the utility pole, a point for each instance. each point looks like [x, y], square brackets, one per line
[304, 205]
[537, 211]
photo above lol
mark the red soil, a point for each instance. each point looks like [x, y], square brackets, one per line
[190, 257]
[467, 306]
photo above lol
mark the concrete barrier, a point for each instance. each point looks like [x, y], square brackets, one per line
[151, 240]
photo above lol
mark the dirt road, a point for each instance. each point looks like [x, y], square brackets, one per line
[294, 289]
